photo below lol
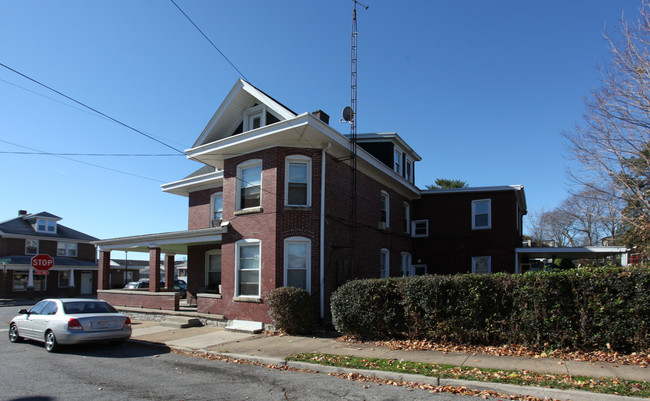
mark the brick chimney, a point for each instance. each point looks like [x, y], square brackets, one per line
[321, 115]
[22, 213]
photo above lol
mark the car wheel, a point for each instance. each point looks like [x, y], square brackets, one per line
[50, 342]
[13, 334]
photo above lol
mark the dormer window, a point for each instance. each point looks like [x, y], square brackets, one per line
[255, 117]
[397, 161]
[46, 226]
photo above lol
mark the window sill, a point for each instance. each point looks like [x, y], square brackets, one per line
[298, 208]
[252, 300]
[250, 210]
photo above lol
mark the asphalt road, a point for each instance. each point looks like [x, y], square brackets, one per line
[135, 372]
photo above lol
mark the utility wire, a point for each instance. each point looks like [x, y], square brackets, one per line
[95, 154]
[90, 108]
[208, 39]
[82, 162]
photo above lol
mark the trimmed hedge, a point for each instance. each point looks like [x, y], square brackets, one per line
[290, 310]
[592, 308]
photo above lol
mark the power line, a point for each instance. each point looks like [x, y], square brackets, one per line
[82, 162]
[94, 154]
[90, 108]
[208, 39]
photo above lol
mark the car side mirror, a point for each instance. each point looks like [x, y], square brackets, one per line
[23, 312]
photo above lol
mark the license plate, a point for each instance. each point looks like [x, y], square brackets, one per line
[103, 325]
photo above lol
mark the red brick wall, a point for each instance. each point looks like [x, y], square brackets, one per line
[452, 243]
[199, 208]
[12, 246]
[141, 299]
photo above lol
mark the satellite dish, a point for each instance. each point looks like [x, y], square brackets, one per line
[348, 114]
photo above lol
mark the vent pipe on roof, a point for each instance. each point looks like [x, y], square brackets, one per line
[22, 213]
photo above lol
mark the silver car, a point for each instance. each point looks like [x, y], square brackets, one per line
[70, 321]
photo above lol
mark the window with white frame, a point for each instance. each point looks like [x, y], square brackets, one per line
[408, 169]
[385, 209]
[297, 181]
[216, 207]
[66, 248]
[397, 160]
[420, 228]
[481, 264]
[407, 218]
[248, 268]
[419, 270]
[249, 184]
[297, 263]
[31, 246]
[481, 216]
[384, 263]
[19, 282]
[64, 278]
[255, 117]
[46, 226]
[406, 264]
[213, 270]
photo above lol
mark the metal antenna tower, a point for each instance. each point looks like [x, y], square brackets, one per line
[353, 136]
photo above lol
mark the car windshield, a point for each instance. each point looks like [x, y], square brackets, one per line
[87, 307]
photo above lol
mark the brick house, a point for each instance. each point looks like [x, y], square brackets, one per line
[278, 203]
[75, 263]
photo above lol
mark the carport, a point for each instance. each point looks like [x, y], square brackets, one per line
[587, 252]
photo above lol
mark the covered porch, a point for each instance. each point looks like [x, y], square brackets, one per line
[597, 253]
[166, 245]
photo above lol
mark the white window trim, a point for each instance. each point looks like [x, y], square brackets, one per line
[242, 166]
[398, 165]
[67, 279]
[384, 193]
[207, 264]
[405, 263]
[413, 231]
[37, 247]
[238, 245]
[385, 255]
[298, 240]
[67, 248]
[47, 223]
[252, 112]
[298, 159]
[212, 197]
[476, 258]
[407, 217]
[489, 213]
[408, 172]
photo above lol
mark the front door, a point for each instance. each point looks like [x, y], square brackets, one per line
[86, 283]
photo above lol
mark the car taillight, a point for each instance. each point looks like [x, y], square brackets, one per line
[73, 324]
[127, 322]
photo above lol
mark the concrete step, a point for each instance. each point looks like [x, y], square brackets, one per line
[245, 326]
[180, 322]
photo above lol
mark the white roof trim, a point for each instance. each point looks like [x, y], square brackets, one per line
[162, 239]
[186, 185]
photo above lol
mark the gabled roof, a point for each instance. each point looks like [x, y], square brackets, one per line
[20, 226]
[231, 111]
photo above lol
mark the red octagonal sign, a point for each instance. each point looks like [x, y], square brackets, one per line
[42, 262]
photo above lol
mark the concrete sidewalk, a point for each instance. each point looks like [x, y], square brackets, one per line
[275, 350]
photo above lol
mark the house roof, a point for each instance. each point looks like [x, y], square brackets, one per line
[518, 189]
[585, 252]
[59, 261]
[21, 226]
[204, 178]
[172, 242]
[230, 113]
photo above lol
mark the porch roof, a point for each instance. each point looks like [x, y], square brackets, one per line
[175, 242]
[585, 252]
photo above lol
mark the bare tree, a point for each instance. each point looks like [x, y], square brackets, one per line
[613, 143]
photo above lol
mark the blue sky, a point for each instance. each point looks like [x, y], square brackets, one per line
[480, 89]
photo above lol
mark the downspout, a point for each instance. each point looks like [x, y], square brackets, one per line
[322, 231]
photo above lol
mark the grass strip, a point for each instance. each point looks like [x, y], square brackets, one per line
[609, 385]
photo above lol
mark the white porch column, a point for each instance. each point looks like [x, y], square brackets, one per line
[30, 278]
[71, 278]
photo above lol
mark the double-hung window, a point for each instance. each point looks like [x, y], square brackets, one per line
[407, 219]
[255, 117]
[481, 264]
[384, 263]
[397, 160]
[66, 249]
[248, 267]
[46, 226]
[384, 217]
[64, 278]
[420, 228]
[216, 207]
[408, 170]
[297, 186]
[31, 246]
[249, 184]
[213, 270]
[297, 261]
[481, 214]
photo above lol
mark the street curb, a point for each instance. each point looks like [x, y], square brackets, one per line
[508, 389]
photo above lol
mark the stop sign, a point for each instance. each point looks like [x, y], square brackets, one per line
[42, 262]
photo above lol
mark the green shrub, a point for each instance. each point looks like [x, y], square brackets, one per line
[577, 308]
[291, 310]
